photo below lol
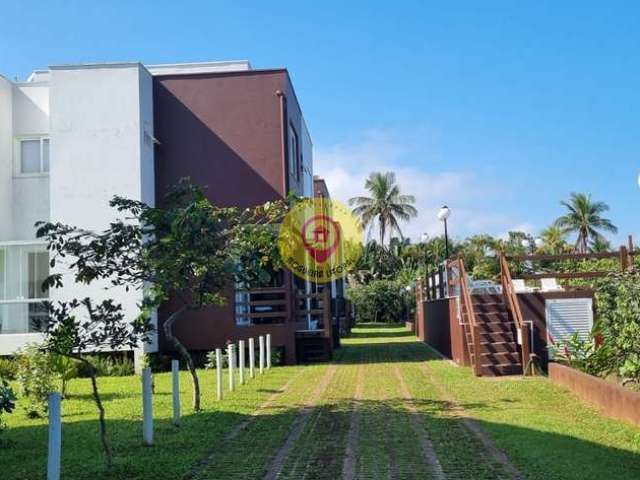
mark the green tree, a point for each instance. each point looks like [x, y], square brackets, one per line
[554, 240]
[386, 206]
[584, 218]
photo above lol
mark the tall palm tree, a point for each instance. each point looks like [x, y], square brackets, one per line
[386, 205]
[584, 217]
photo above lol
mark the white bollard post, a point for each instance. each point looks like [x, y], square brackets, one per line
[268, 350]
[252, 358]
[147, 407]
[219, 372]
[55, 437]
[261, 342]
[232, 384]
[175, 377]
[241, 361]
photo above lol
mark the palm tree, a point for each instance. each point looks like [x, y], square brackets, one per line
[554, 240]
[386, 206]
[584, 217]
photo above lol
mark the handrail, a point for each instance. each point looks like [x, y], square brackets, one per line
[509, 293]
[467, 305]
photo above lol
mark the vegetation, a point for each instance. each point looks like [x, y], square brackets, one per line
[36, 375]
[386, 206]
[188, 250]
[7, 401]
[380, 301]
[530, 420]
[584, 218]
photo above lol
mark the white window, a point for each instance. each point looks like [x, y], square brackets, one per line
[23, 268]
[32, 156]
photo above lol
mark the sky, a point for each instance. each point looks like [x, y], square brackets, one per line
[498, 109]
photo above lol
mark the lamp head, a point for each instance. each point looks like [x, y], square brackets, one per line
[444, 213]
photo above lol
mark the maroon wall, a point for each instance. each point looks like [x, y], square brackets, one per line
[224, 131]
[613, 400]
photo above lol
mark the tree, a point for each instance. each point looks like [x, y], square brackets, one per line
[554, 240]
[584, 217]
[76, 328]
[386, 206]
[186, 249]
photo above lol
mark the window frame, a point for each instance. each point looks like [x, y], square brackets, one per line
[18, 155]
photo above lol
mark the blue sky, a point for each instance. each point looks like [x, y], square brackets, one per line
[499, 109]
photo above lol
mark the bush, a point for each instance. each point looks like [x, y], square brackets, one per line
[37, 378]
[379, 301]
[618, 300]
[107, 366]
[8, 368]
[7, 401]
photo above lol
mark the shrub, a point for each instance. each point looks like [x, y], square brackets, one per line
[618, 300]
[8, 368]
[378, 301]
[37, 378]
[7, 401]
[107, 366]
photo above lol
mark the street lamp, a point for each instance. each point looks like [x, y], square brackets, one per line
[443, 214]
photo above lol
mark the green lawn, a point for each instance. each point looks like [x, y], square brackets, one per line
[404, 394]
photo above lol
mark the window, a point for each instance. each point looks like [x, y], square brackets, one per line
[294, 154]
[23, 268]
[33, 156]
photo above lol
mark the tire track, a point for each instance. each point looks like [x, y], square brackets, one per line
[426, 445]
[298, 425]
[350, 461]
[458, 411]
[199, 467]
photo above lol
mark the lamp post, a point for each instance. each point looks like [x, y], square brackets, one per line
[443, 215]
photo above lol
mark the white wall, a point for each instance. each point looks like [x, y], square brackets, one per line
[99, 116]
[307, 159]
[6, 159]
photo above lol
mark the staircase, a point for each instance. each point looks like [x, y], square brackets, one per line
[496, 336]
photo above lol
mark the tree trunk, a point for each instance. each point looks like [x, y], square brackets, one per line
[103, 427]
[184, 353]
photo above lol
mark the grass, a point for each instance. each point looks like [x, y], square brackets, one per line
[546, 432]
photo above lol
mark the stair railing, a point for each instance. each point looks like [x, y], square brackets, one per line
[466, 306]
[511, 299]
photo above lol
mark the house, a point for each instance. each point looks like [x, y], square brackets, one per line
[73, 136]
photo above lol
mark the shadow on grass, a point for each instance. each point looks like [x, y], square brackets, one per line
[177, 450]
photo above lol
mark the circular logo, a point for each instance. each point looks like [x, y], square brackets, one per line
[320, 240]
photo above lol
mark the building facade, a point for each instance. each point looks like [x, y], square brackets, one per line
[72, 137]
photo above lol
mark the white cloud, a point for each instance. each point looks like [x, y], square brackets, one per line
[345, 167]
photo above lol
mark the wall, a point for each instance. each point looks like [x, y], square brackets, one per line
[612, 400]
[98, 122]
[532, 306]
[6, 159]
[30, 198]
[224, 132]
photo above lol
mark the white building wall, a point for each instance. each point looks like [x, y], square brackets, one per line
[100, 118]
[6, 159]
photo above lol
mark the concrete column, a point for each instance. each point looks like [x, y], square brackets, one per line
[230, 354]
[147, 407]
[175, 382]
[219, 372]
[55, 437]
[252, 358]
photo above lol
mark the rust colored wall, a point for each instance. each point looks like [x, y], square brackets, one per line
[224, 131]
[533, 309]
[437, 325]
[612, 400]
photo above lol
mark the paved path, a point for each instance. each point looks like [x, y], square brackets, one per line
[374, 413]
